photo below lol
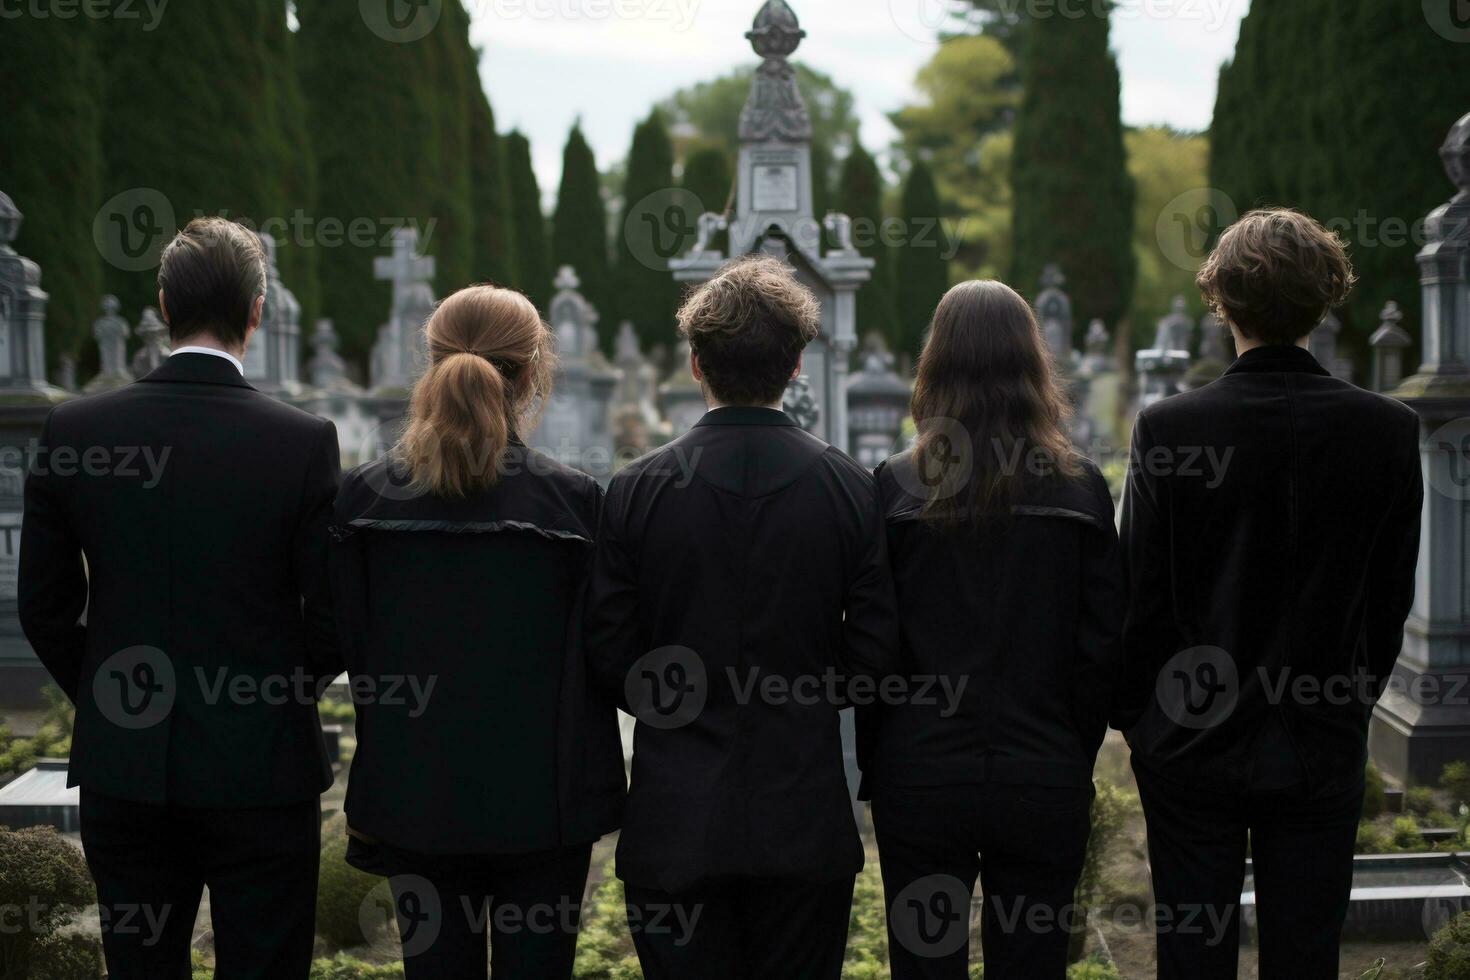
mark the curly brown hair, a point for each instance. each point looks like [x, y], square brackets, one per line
[748, 327]
[1275, 274]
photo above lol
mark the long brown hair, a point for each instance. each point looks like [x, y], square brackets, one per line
[489, 374]
[990, 414]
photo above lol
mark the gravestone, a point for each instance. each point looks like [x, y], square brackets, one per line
[1322, 343]
[333, 395]
[775, 216]
[1161, 368]
[680, 396]
[1389, 342]
[1054, 311]
[1099, 356]
[877, 401]
[111, 331]
[153, 336]
[576, 427]
[1423, 721]
[1214, 356]
[25, 400]
[273, 359]
[1099, 406]
[399, 355]
[635, 416]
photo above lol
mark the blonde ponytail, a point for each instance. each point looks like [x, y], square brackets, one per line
[490, 368]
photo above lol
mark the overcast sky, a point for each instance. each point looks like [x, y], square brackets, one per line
[549, 61]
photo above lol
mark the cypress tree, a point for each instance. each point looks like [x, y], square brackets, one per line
[860, 197]
[292, 155]
[1073, 194]
[647, 295]
[922, 272]
[493, 256]
[453, 78]
[579, 230]
[708, 176]
[533, 256]
[50, 165]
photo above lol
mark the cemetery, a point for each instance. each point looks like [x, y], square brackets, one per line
[623, 388]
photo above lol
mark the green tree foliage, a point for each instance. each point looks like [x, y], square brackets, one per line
[494, 258]
[922, 271]
[1449, 951]
[532, 250]
[1166, 167]
[708, 175]
[342, 889]
[1073, 196]
[294, 158]
[45, 878]
[860, 197]
[51, 164]
[646, 294]
[579, 230]
[961, 129]
[1339, 109]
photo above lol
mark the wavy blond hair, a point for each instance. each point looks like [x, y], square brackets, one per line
[491, 362]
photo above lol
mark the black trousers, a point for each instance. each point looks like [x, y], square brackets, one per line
[529, 904]
[1301, 846]
[152, 862]
[742, 928]
[1026, 844]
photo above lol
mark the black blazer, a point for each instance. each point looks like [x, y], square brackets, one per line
[1026, 615]
[176, 586]
[1274, 515]
[461, 623]
[747, 551]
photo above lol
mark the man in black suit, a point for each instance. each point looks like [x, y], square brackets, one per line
[740, 595]
[1270, 532]
[173, 582]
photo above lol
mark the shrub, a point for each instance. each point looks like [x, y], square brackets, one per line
[1449, 951]
[1455, 780]
[1406, 836]
[1419, 800]
[1093, 969]
[45, 879]
[1372, 840]
[1372, 792]
[344, 967]
[341, 889]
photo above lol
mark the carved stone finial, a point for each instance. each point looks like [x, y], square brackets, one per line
[566, 279]
[10, 219]
[775, 109]
[1456, 154]
[776, 33]
[1390, 332]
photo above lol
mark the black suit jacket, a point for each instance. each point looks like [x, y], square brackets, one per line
[1270, 533]
[1014, 629]
[742, 558]
[476, 729]
[173, 581]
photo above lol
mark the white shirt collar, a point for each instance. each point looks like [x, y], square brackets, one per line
[190, 349]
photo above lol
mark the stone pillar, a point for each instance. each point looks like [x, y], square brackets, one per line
[877, 402]
[25, 400]
[1424, 721]
[1389, 342]
[111, 331]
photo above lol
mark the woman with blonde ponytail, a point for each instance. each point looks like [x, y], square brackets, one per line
[484, 769]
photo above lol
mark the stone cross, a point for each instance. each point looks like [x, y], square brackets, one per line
[405, 268]
[398, 354]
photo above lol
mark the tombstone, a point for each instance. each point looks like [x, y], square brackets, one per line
[1162, 367]
[333, 395]
[66, 373]
[635, 415]
[1098, 391]
[25, 399]
[273, 359]
[576, 427]
[154, 350]
[1212, 345]
[111, 331]
[398, 355]
[328, 370]
[775, 216]
[1054, 310]
[1322, 343]
[877, 402]
[681, 397]
[1423, 721]
[1099, 356]
[1389, 342]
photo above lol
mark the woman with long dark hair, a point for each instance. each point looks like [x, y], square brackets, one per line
[1005, 559]
[484, 771]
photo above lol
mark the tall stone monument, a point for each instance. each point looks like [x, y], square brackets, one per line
[25, 400]
[112, 332]
[399, 356]
[273, 359]
[1424, 720]
[775, 215]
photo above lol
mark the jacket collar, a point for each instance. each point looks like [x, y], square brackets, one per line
[198, 369]
[1291, 359]
[741, 415]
